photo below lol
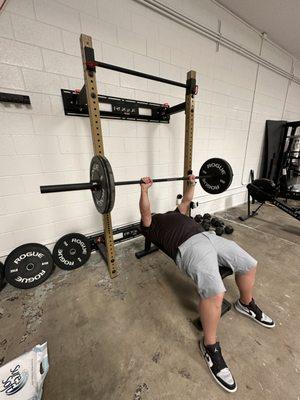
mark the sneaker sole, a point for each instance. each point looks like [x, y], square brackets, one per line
[253, 318]
[218, 382]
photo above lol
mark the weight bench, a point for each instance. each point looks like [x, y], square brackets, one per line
[224, 272]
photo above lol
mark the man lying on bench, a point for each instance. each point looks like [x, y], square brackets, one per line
[199, 254]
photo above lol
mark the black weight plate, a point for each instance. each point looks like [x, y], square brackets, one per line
[28, 266]
[1, 275]
[71, 251]
[102, 195]
[111, 181]
[220, 175]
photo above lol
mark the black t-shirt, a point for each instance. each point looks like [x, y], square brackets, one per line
[169, 230]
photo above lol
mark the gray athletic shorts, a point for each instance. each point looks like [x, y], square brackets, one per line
[200, 256]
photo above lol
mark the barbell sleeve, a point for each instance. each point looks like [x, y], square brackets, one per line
[69, 187]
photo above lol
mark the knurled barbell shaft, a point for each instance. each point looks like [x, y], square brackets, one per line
[94, 185]
[183, 178]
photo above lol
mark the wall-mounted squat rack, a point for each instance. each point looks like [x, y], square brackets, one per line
[86, 101]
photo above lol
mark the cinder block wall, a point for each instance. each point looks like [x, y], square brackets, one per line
[40, 54]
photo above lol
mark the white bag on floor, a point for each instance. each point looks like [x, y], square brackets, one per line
[23, 377]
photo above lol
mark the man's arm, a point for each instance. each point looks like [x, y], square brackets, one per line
[144, 201]
[188, 195]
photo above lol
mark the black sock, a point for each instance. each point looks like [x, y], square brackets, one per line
[245, 305]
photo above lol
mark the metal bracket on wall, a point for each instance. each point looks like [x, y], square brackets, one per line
[14, 98]
[115, 107]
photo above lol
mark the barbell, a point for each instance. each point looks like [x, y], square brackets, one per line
[215, 176]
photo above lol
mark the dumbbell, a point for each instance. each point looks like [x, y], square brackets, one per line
[207, 217]
[194, 204]
[219, 230]
[228, 229]
[214, 222]
[198, 218]
[205, 224]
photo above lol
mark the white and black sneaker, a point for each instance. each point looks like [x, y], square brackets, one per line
[253, 311]
[217, 366]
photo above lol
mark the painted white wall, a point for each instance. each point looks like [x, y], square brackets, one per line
[40, 54]
[292, 108]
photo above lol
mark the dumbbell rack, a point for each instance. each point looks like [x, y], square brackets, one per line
[91, 96]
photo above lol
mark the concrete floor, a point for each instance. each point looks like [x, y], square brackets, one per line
[132, 338]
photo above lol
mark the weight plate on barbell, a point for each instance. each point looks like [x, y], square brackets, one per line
[71, 251]
[28, 266]
[111, 181]
[104, 195]
[219, 175]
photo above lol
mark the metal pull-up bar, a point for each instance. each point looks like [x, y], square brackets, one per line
[91, 63]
